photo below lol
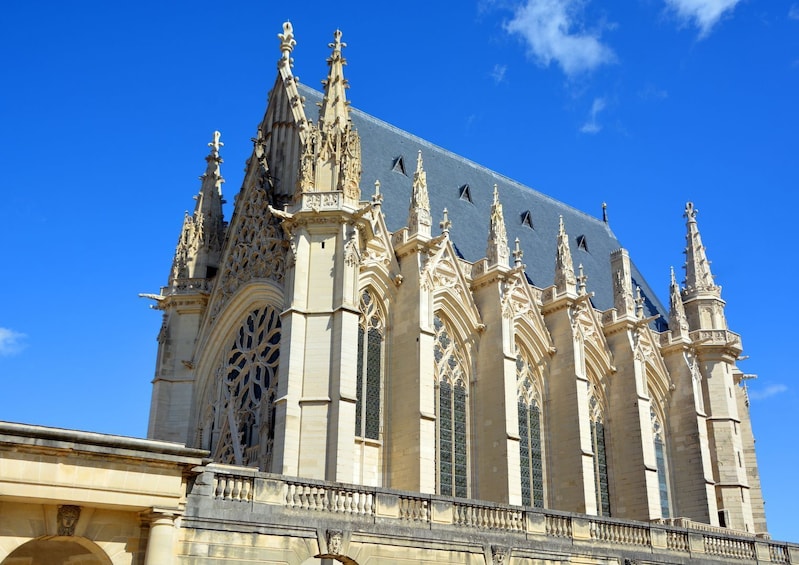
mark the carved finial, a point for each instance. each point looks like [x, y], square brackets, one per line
[605, 212]
[377, 198]
[678, 323]
[639, 303]
[497, 250]
[337, 43]
[419, 220]
[518, 254]
[623, 299]
[216, 144]
[445, 224]
[287, 42]
[582, 279]
[564, 266]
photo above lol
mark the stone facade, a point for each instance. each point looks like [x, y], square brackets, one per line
[372, 388]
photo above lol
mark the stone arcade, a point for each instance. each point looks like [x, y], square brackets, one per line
[342, 377]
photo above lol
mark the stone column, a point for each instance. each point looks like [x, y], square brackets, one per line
[161, 541]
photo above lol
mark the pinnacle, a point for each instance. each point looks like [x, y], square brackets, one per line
[335, 110]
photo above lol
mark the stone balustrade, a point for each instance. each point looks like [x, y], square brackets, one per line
[248, 490]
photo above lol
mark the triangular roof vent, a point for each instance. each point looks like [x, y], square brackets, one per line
[527, 219]
[582, 243]
[398, 165]
[465, 193]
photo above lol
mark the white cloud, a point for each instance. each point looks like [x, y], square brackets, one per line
[793, 12]
[553, 31]
[769, 391]
[704, 14]
[592, 125]
[498, 73]
[10, 342]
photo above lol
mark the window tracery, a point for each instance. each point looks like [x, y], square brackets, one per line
[371, 334]
[531, 454]
[451, 412]
[243, 410]
[661, 463]
[600, 453]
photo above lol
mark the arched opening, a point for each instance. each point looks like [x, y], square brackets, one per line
[58, 551]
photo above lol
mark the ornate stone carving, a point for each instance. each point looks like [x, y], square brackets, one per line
[499, 554]
[335, 540]
[497, 251]
[68, 516]
[256, 249]
[352, 256]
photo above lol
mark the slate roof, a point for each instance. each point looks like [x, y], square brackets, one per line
[447, 173]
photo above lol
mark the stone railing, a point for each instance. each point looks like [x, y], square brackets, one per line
[255, 492]
[186, 285]
[488, 517]
[623, 533]
[305, 496]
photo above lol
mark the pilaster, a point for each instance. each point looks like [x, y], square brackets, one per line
[411, 421]
[495, 395]
[571, 450]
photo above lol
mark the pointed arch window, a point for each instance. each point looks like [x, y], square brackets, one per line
[451, 414]
[241, 419]
[600, 455]
[371, 335]
[531, 448]
[661, 463]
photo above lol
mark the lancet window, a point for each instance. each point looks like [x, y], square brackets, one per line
[243, 410]
[371, 336]
[531, 449]
[451, 413]
[600, 454]
[660, 461]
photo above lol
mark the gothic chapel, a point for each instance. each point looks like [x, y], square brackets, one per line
[330, 334]
[390, 353]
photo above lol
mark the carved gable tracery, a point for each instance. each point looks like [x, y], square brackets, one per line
[256, 249]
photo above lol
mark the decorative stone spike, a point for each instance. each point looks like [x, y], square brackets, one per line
[419, 220]
[497, 250]
[678, 323]
[564, 266]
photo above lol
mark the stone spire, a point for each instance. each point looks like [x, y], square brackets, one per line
[704, 307]
[335, 108]
[497, 251]
[419, 220]
[697, 268]
[623, 299]
[564, 266]
[678, 324]
[200, 242]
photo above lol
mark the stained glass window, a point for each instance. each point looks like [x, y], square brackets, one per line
[530, 446]
[600, 456]
[660, 461]
[452, 415]
[243, 408]
[369, 368]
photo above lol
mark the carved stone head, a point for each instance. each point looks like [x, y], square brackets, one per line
[67, 518]
[334, 540]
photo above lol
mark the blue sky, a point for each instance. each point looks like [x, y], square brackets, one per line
[107, 108]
